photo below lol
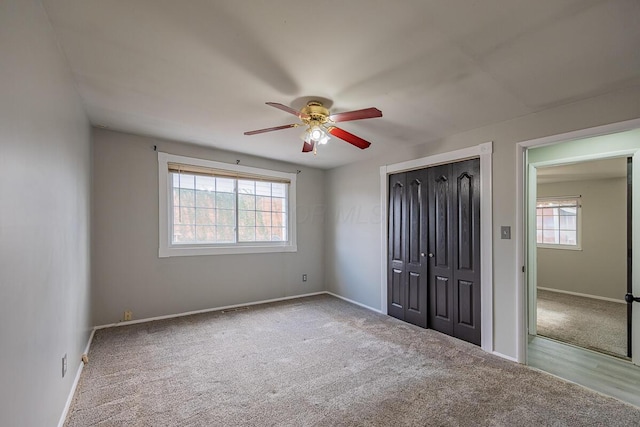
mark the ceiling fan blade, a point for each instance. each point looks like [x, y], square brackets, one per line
[349, 137]
[367, 113]
[254, 132]
[307, 147]
[286, 109]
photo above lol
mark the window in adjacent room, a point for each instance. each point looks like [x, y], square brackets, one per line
[209, 208]
[558, 222]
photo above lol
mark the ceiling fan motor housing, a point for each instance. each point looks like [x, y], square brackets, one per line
[314, 113]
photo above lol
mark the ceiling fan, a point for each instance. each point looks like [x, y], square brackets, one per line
[319, 123]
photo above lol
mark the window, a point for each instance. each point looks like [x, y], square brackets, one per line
[558, 223]
[209, 208]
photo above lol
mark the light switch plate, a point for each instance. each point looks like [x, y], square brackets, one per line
[505, 232]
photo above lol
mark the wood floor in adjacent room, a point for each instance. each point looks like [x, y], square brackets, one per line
[317, 361]
[607, 374]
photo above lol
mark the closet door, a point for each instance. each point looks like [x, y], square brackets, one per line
[408, 281]
[454, 250]
[396, 289]
[415, 257]
[440, 250]
[466, 250]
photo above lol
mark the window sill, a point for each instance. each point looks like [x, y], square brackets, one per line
[173, 251]
[561, 247]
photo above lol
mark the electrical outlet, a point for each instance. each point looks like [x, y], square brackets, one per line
[64, 365]
[128, 315]
[304, 277]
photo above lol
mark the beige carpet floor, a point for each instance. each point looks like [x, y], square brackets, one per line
[317, 361]
[586, 322]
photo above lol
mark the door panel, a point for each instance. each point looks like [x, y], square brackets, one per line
[396, 288]
[440, 292]
[466, 220]
[416, 247]
[407, 247]
[465, 303]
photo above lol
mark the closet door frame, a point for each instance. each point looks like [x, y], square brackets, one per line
[484, 152]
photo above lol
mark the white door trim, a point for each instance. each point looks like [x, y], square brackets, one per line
[484, 153]
[522, 298]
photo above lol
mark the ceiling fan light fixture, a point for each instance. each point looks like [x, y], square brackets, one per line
[317, 133]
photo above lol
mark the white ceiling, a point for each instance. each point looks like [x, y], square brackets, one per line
[583, 171]
[200, 71]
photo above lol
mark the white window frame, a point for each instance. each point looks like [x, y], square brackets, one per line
[578, 245]
[168, 249]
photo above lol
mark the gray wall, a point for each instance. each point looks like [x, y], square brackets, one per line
[600, 268]
[44, 220]
[358, 186]
[127, 273]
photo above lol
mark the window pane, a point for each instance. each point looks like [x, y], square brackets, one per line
[225, 185]
[225, 217]
[225, 235]
[278, 219]
[279, 190]
[205, 199]
[278, 234]
[549, 211]
[185, 198]
[550, 236]
[246, 202]
[567, 211]
[225, 200]
[246, 187]
[549, 222]
[539, 236]
[538, 222]
[206, 216]
[568, 223]
[278, 204]
[263, 188]
[206, 234]
[184, 181]
[246, 234]
[568, 237]
[263, 218]
[184, 215]
[263, 203]
[184, 234]
[246, 218]
[205, 183]
[263, 233]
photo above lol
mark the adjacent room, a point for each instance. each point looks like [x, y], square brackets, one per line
[293, 213]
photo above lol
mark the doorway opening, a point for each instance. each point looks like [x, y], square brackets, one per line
[581, 255]
[618, 140]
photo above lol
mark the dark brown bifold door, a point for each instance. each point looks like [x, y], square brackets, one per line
[407, 280]
[454, 250]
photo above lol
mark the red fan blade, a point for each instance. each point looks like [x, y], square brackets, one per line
[253, 132]
[286, 109]
[349, 137]
[306, 147]
[367, 113]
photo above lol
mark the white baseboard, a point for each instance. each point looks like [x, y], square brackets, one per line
[504, 356]
[206, 310]
[578, 294]
[354, 302]
[72, 392]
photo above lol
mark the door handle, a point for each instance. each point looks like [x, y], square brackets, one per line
[430, 255]
[629, 298]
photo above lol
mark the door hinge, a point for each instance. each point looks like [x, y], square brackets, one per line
[523, 268]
